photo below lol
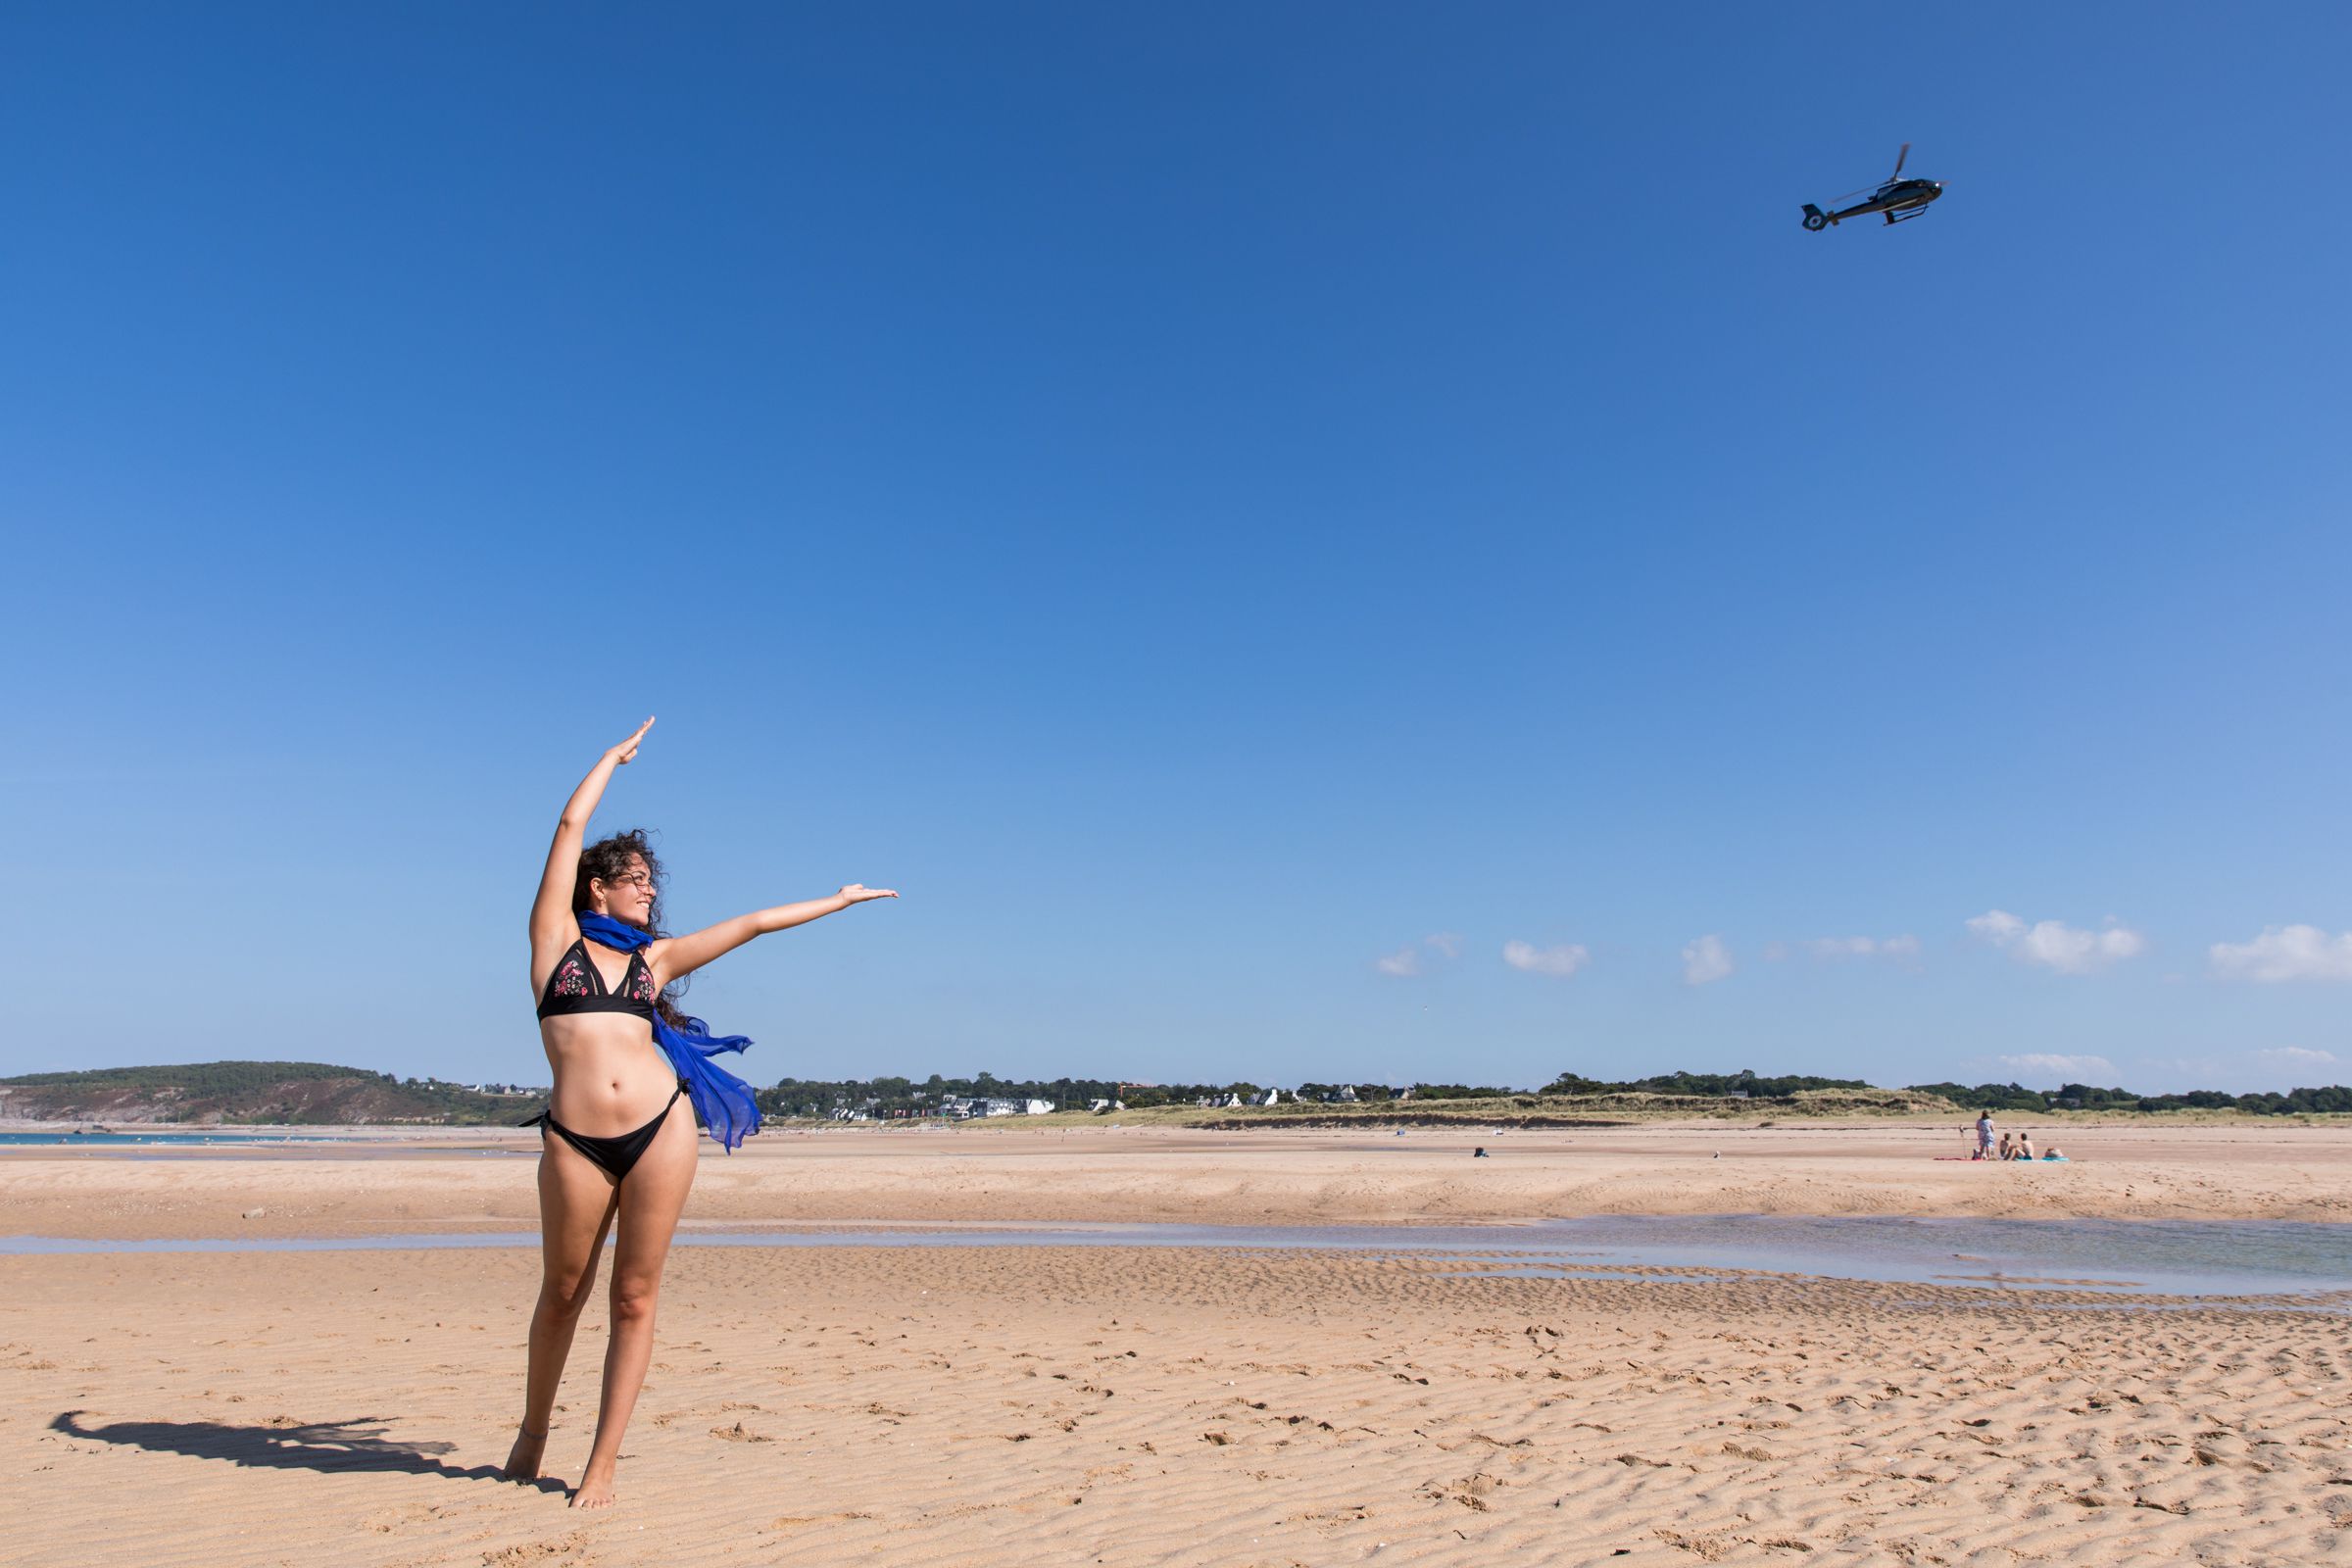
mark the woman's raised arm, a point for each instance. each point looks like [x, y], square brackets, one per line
[552, 924]
[682, 955]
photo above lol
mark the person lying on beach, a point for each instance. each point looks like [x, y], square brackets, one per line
[2055, 1153]
[607, 979]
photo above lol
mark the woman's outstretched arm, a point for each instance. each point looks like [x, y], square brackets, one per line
[552, 924]
[681, 955]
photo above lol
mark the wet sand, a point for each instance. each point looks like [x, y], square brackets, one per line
[1172, 1405]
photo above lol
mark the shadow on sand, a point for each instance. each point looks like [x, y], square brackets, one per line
[331, 1448]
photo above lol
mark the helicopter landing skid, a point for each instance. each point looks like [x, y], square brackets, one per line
[1906, 215]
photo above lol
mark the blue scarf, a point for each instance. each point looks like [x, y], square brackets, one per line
[722, 1102]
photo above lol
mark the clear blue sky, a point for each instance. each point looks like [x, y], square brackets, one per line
[1204, 500]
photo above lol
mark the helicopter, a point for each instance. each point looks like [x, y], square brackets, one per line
[1899, 199]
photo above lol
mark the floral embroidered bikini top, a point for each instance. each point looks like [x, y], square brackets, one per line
[578, 986]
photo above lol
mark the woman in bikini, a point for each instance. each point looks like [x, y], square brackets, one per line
[623, 1052]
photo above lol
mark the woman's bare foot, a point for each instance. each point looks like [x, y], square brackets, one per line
[595, 1490]
[522, 1461]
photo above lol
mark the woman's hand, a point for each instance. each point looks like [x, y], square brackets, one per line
[552, 927]
[858, 892]
[627, 748]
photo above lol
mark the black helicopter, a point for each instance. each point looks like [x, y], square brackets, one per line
[1899, 199]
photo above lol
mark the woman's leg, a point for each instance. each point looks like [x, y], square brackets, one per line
[576, 1204]
[650, 1200]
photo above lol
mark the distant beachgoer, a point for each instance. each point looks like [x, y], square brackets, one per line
[1985, 1135]
[605, 976]
[2008, 1149]
[2024, 1146]
[1478, 1154]
[2055, 1152]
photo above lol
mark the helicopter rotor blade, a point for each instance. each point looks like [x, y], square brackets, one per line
[1898, 162]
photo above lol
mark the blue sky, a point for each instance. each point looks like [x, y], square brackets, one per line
[1205, 501]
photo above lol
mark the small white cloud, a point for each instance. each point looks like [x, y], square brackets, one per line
[1561, 960]
[1403, 963]
[2286, 952]
[1841, 946]
[1447, 943]
[1905, 946]
[2041, 1065]
[1997, 926]
[1775, 952]
[2067, 948]
[1705, 961]
[2294, 1057]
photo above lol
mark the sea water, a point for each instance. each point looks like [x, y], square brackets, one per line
[2121, 1257]
[188, 1139]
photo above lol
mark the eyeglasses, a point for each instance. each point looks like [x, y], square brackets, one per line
[642, 879]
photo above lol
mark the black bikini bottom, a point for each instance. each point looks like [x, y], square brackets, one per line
[618, 1155]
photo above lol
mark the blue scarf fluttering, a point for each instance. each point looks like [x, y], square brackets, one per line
[722, 1102]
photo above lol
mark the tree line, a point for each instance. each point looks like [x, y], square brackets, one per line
[905, 1096]
[900, 1096]
[2333, 1098]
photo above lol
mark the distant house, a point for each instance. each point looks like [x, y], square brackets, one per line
[1098, 1106]
[1039, 1108]
[1346, 1096]
[1233, 1101]
[1273, 1097]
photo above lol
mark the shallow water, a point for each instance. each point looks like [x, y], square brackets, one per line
[153, 1146]
[122, 1140]
[2124, 1258]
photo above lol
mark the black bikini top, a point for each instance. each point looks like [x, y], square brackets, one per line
[578, 986]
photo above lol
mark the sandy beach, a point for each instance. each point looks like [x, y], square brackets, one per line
[476, 1178]
[1166, 1405]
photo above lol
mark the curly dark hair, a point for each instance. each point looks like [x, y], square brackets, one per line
[608, 861]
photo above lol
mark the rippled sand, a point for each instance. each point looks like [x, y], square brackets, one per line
[1136, 1405]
